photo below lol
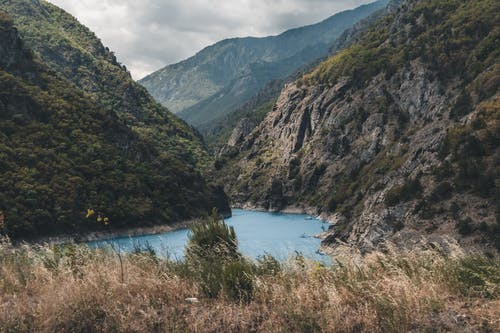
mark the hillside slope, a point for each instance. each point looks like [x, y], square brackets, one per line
[61, 154]
[75, 53]
[394, 138]
[225, 75]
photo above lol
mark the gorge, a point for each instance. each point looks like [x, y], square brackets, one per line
[373, 138]
[337, 177]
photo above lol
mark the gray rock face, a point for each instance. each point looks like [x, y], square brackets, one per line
[241, 130]
[367, 156]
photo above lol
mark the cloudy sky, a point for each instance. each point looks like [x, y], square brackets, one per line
[149, 34]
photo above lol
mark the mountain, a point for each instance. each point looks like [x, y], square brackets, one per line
[222, 77]
[242, 120]
[395, 137]
[64, 150]
[76, 54]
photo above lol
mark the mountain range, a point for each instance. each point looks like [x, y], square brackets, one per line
[392, 137]
[221, 78]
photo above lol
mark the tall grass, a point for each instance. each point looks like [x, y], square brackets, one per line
[76, 289]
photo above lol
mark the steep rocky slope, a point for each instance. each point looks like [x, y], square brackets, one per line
[74, 52]
[394, 138]
[61, 154]
[249, 115]
[223, 76]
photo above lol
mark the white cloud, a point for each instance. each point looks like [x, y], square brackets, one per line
[149, 34]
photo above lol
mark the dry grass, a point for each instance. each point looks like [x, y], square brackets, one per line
[74, 289]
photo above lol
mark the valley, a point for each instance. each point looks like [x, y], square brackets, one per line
[342, 176]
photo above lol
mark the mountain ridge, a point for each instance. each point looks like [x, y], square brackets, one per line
[226, 74]
[254, 110]
[75, 52]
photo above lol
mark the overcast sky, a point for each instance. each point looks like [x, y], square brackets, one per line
[149, 34]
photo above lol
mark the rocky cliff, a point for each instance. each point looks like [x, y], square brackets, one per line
[394, 138]
[217, 132]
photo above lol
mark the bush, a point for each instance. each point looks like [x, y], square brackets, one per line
[465, 226]
[212, 237]
[442, 192]
[208, 274]
[213, 257]
[478, 276]
[444, 171]
[463, 106]
[237, 281]
[268, 265]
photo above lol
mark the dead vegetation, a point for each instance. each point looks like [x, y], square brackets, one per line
[75, 289]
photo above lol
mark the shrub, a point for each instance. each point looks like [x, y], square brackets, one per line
[267, 265]
[443, 191]
[332, 205]
[478, 276]
[465, 226]
[463, 106]
[212, 238]
[213, 257]
[237, 281]
[444, 171]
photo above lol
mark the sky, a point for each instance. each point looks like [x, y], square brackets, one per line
[147, 35]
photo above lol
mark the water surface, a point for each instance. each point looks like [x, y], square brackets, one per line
[278, 234]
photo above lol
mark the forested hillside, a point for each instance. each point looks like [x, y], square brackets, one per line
[75, 53]
[68, 164]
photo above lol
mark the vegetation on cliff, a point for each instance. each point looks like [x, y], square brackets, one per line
[76, 53]
[455, 38]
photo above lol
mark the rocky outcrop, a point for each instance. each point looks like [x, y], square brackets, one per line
[377, 147]
[242, 129]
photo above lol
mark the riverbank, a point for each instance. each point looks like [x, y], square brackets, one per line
[332, 219]
[105, 235]
[144, 231]
[158, 229]
[292, 209]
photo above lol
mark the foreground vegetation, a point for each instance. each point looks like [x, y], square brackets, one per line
[76, 289]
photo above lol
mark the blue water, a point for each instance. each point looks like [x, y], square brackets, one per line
[280, 235]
